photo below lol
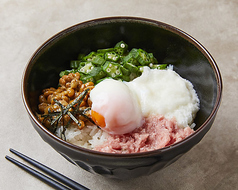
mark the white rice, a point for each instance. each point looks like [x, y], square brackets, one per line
[88, 137]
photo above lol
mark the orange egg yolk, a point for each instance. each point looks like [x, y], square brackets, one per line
[98, 119]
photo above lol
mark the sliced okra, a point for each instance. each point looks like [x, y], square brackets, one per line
[88, 66]
[95, 58]
[132, 68]
[98, 60]
[100, 80]
[130, 59]
[97, 73]
[112, 56]
[143, 58]
[125, 78]
[66, 72]
[75, 64]
[87, 78]
[158, 66]
[121, 48]
[113, 62]
[152, 58]
[112, 69]
[135, 53]
[105, 50]
[125, 71]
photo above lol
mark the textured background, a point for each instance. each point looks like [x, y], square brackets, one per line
[25, 25]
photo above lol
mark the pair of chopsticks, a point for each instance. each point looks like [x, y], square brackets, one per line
[61, 182]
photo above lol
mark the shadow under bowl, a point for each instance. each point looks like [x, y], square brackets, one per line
[169, 45]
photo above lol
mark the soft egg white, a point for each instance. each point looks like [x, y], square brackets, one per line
[113, 102]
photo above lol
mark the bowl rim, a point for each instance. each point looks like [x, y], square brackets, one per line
[104, 20]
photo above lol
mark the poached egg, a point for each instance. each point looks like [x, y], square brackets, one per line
[115, 108]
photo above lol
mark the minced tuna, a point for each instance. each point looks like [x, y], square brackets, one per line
[155, 133]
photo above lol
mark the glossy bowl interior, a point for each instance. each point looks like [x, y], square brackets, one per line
[169, 44]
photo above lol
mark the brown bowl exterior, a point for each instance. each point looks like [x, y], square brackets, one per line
[169, 44]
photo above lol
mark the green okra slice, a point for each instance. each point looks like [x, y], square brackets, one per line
[95, 58]
[125, 78]
[112, 69]
[102, 51]
[152, 58]
[130, 59]
[121, 48]
[125, 71]
[112, 56]
[87, 78]
[75, 64]
[86, 67]
[135, 53]
[143, 57]
[66, 72]
[98, 60]
[132, 68]
[100, 80]
[89, 57]
[97, 73]
[158, 66]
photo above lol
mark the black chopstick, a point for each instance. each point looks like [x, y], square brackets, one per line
[39, 175]
[61, 178]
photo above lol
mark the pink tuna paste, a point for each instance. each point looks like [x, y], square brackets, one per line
[156, 132]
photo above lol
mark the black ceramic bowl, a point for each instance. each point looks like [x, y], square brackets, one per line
[169, 44]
